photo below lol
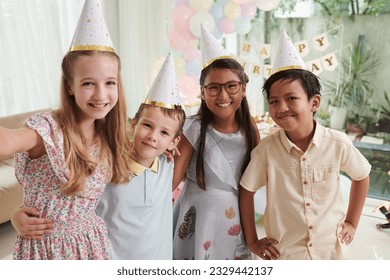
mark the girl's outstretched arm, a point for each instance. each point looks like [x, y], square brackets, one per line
[26, 221]
[20, 140]
[181, 161]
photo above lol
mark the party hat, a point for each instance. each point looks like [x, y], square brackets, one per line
[287, 56]
[211, 49]
[164, 91]
[91, 31]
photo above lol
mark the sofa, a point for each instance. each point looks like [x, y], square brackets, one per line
[11, 192]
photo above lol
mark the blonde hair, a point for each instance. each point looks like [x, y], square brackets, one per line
[175, 114]
[112, 132]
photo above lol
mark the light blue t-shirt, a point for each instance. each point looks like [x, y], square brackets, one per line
[138, 214]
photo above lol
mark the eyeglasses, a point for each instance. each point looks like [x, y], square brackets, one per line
[214, 89]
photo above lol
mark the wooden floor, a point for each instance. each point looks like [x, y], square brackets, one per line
[369, 244]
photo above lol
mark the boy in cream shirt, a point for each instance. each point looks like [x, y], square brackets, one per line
[299, 165]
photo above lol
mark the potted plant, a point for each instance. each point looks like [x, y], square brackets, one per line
[353, 93]
[336, 109]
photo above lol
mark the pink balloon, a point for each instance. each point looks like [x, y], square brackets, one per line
[226, 25]
[191, 53]
[181, 17]
[249, 10]
[179, 39]
[188, 87]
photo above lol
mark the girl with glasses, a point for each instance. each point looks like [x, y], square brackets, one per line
[215, 150]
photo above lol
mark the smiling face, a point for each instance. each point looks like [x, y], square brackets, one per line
[290, 108]
[154, 133]
[223, 105]
[94, 86]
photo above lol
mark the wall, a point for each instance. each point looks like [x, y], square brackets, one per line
[375, 29]
[377, 33]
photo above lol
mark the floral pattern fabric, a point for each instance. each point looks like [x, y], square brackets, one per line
[207, 222]
[78, 232]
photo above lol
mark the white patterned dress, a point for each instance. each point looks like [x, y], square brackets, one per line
[78, 232]
[207, 222]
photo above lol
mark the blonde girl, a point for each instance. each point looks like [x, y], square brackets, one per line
[65, 158]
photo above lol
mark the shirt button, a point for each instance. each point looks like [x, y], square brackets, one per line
[307, 204]
[310, 227]
[310, 244]
[303, 159]
[305, 182]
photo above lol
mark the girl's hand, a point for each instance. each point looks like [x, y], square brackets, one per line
[347, 233]
[26, 221]
[265, 248]
[170, 154]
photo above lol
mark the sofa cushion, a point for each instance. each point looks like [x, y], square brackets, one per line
[11, 192]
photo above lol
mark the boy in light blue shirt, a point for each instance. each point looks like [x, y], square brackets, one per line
[138, 214]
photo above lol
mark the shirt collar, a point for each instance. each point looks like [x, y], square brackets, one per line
[138, 168]
[316, 140]
[287, 144]
[318, 133]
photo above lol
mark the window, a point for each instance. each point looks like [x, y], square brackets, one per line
[34, 36]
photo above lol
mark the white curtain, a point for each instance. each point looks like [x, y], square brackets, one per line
[143, 29]
[34, 36]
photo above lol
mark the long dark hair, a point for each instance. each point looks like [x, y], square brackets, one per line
[243, 117]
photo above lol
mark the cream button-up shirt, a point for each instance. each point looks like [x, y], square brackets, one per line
[304, 203]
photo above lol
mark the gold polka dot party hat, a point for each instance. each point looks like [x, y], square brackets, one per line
[287, 56]
[211, 49]
[164, 91]
[91, 31]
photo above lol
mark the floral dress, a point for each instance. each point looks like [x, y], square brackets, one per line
[207, 222]
[78, 232]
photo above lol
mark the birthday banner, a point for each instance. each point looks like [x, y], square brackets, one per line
[253, 54]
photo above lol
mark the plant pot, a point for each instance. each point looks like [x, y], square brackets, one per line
[337, 117]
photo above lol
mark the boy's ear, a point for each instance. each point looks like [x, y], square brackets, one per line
[316, 102]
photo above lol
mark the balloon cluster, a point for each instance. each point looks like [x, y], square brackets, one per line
[220, 17]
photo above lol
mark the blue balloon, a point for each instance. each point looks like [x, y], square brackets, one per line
[223, 2]
[217, 11]
[193, 67]
[217, 33]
